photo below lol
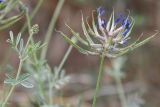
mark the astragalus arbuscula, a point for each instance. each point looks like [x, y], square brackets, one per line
[106, 37]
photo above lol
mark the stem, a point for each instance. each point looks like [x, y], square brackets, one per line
[98, 80]
[65, 58]
[33, 14]
[50, 92]
[40, 84]
[13, 87]
[121, 93]
[51, 27]
[60, 67]
[29, 28]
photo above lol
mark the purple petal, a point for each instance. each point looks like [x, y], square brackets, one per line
[126, 31]
[103, 23]
[101, 11]
[118, 19]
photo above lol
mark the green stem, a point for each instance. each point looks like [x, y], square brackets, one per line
[50, 92]
[40, 84]
[65, 58]
[51, 27]
[121, 93]
[29, 28]
[98, 80]
[60, 67]
[40, 2]
[13, 87]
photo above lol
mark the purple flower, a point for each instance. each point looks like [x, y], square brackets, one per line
[1, 1]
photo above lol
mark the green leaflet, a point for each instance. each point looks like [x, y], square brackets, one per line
[27, 84]
[22, 78]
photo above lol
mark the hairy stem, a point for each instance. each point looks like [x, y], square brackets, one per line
[51, 27]
[98, 80]
[13, 87]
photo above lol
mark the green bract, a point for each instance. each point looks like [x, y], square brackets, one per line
[6, 7]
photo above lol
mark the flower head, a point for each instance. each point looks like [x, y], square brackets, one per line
[106, 36]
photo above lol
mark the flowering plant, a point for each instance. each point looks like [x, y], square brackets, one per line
[105, 38]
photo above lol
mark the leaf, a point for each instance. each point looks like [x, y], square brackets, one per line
[21, 47]
[18, 38]
[22, 78]
[27, 84]
[10, 81]
[11, 36]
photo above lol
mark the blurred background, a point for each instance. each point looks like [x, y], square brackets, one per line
[141, 69]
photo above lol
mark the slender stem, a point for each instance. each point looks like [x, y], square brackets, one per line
[121, 93]
[60, 67]
[51, 27]
[50, 92]
[40, 84]
[13, 87]
[40, 2]
[65, 58]
[29, 28]
[98, 80]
